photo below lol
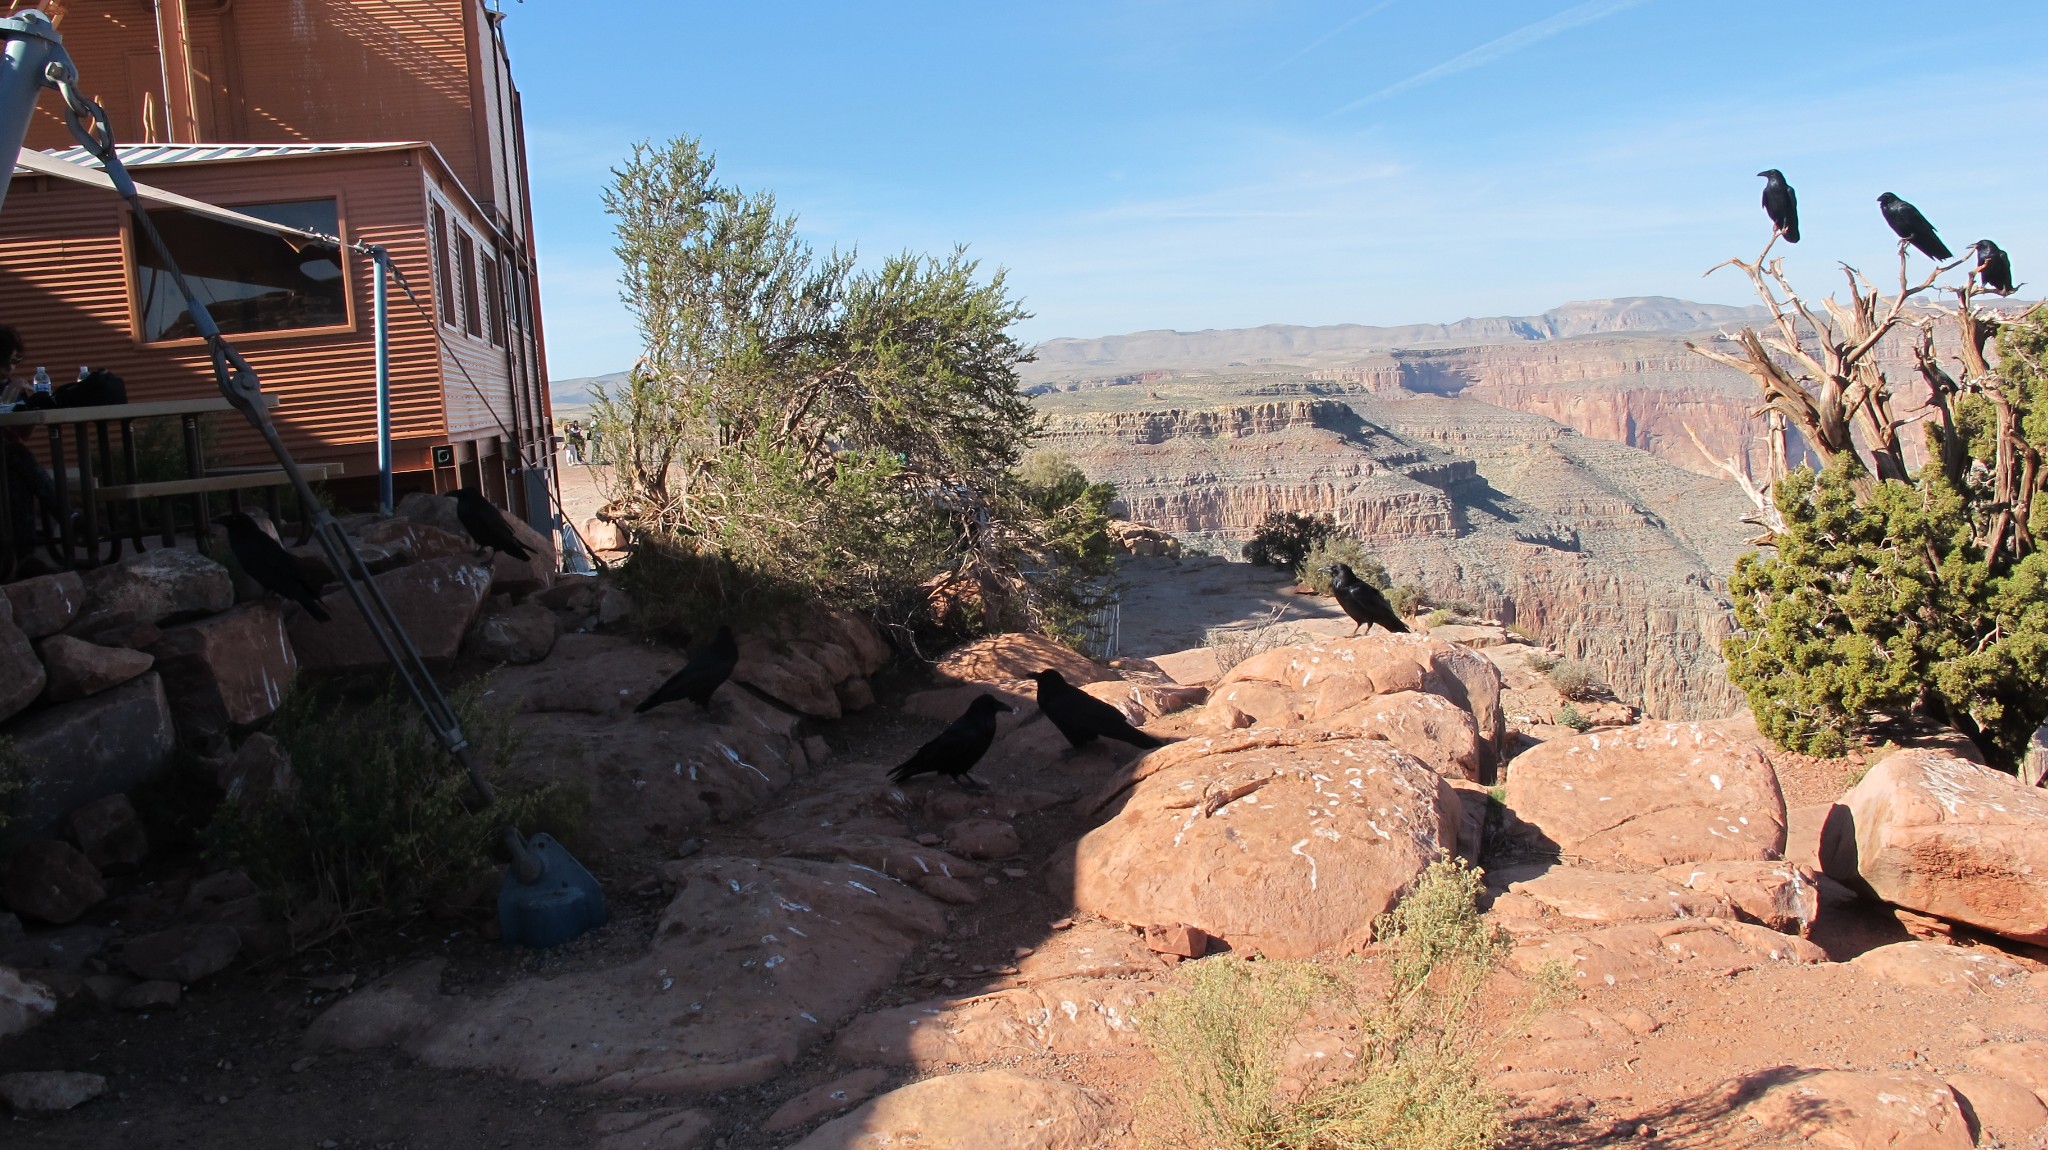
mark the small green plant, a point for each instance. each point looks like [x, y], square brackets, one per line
[1524, 634]
[1408, 600]
[1437, 618]
[380, 819]
[1340, 549]
[1286, 538]
[1220, 1040]
[1570, 716]
[1575, 680]
[1542, 661]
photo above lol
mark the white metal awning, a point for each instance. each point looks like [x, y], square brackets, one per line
[44, 164]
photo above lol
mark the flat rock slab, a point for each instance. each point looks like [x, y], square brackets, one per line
[77, 668]
[1275, 842]
[2022, 1063]
[49, 1091]
[1854, 1110]
[834, 1097]
[46, 604]
[1652, 795]
[1014, 658]
[230, 670]
[1073, 1016]
[670, 1128]
[989, 1110]
[752, 962]
[1430, 727]
[1600, 897]
[166, 585]
[2003, 1110]
[1940, 965]
[1784, 896]
[1938, 834]
[435, 600]
[1634, 951]
[1090, 950]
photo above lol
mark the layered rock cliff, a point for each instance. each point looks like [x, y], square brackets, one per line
[1603, 550]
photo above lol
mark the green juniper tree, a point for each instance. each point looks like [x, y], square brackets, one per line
[1889, 594]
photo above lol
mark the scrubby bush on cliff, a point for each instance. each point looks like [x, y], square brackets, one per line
[1340, 549]
[1889, 595]
[1575, 680]
[1221, 1038]
[1286, 538]
[801, 424]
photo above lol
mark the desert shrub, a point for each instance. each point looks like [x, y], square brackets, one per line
[380, 820]
[1570, 716]
[1575, 680]
[824, 430]
[1542, 661]
[1233, 645]
[1463, 608]
[1437, 618]
[1408, 600]
[1220, 1036]
[1287, 537]
[1524, 634]
[1340, 549]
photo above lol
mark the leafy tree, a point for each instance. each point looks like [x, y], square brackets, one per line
[804, 425]
[1890, 598]
[1286, 538]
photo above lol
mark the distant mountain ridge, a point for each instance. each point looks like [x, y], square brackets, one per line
[1292, 345]
[579, 392]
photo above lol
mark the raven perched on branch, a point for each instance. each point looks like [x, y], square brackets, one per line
[1993, 267]
[955, 750]
[1781, 203]
[1913, 227]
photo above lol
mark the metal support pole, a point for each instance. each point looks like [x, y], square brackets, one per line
[31, 43]
[382, 311]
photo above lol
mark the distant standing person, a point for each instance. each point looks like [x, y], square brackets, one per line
[596, 449]
[574, 437]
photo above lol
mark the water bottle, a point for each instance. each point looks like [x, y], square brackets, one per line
[42, 381]
[83, 371]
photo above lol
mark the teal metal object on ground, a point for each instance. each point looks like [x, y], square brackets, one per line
[563, 902]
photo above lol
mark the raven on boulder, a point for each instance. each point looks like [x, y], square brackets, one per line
[955, 750]
[706, 671]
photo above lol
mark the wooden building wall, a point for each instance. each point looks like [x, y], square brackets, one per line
[65, 284]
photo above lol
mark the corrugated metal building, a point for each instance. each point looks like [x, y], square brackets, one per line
[264, 106]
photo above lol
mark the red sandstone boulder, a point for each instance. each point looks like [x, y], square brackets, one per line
[110, 833]
[1597, 896]
[1653, 795]
[51, 881]
[1941, 965]
[230, 670]
[1195, 667]
[1632, 951]
[1071, 1016]
[1937, 834]
[517, 633]
[77, 668]
[22, 677]
[107, 744]
[1013, 658]
[1285, 842]
[1781, 895]
[1859, 1110]
[1295, 686]
[788, 676]
[46, 604]
[166, 585]
[435, 600]
[1430, 727]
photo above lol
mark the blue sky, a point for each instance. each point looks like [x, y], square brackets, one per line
[1142, 164]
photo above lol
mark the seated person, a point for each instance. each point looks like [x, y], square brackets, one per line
[27, 483]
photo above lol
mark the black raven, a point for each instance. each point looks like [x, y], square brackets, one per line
[1781, 203]
[1913, 227]
[1993, 267]
[486, 524]
[270, 564]
[955, 750]
[1361, 600]
[702, 675]
[1082, 717]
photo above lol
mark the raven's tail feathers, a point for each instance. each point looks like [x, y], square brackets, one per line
[314, 609]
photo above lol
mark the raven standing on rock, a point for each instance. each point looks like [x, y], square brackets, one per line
[1362, 601]
[956, 749]
[1993, 267]
[1913, 227]
[486, 524]
[1781, 203]
[702, 675]
[1082, 717]
[266, 561]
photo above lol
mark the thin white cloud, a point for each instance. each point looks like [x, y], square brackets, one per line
[1492, 50]
[1332, 34]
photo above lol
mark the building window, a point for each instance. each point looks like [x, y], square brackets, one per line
[472, 320]
[444, 287]
[249, 281]
[494, 292]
